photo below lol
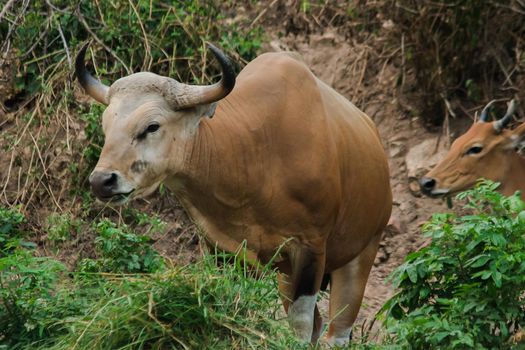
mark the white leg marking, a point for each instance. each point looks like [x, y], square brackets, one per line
[301, 316]
[341, 338]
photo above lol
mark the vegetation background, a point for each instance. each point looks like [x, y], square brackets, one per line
[60, 252]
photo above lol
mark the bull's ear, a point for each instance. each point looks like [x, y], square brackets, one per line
[207, 110]
[517, 139]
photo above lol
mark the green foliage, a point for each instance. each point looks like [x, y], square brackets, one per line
[199, 306]
[11, 234]
[465, 289]
[94, 134]
[121, 251]
[27, 288]
[151, 221]
[61, 227]
[142, 35]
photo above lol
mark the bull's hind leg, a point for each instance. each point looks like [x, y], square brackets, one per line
[347, 286]
[299, 287]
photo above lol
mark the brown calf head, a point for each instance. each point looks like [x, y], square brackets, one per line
[147, 122]
[484, 151]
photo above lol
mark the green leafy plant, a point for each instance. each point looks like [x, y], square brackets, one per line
[11, 235]
[61, 227]
[121, 251]
[466, 288]
[27, 286]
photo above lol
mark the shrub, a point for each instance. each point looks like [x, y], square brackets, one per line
[456, 50]
[466, 288]
[27, 288]
[199, 306]
[61, 227]
[11, 220]
[121, 251]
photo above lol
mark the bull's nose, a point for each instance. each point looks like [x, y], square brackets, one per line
[103, 184]
[427, 184]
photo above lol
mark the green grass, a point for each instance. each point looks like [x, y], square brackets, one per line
[132, 300]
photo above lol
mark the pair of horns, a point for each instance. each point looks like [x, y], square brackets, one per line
[499, 124]
[178, 95]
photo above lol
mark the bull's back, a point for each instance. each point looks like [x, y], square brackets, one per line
[312, 165]
[365, 182]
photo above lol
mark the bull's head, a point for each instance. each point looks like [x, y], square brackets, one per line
[484, 151]
[147, 122]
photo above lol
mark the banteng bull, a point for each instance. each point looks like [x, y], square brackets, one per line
[487, 150]
[285, 160]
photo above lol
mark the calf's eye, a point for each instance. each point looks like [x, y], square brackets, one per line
[474, 150]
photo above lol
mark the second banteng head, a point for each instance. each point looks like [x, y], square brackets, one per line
[487, 150]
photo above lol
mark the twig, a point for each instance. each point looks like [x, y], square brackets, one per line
[403, 60]
[70, 64]
[262, 13]
[100, 42]
[6, 8]
[12, 27]
[147, 58]
[449, 108]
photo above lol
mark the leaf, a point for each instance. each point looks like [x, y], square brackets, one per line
[478, 261]
[412, 275]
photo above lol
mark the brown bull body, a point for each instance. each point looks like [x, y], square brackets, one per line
[285, 161]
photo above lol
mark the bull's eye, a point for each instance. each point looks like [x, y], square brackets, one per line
[150, 129]
[474, 150]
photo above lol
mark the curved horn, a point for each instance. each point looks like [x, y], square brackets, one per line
[503, 122]
[484, 116]
[93, 87]
[182, 96]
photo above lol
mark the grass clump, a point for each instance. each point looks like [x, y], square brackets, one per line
[61, 227]
[198, 306]
[11, 220]
[465, 289]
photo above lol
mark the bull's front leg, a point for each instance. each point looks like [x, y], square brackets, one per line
[299, 287]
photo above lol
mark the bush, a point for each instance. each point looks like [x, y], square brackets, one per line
[27, 289]
[466, 288]
[61, 227]
[11, 220]
[200, 306]
[121, 251]
[466, 49]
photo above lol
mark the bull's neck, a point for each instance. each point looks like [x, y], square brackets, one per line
[201, 169]
[514, 179]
